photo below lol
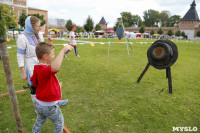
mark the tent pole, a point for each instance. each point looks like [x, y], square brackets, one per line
[125, 37]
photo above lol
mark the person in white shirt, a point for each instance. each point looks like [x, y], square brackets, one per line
[72, 40]
[26, 44]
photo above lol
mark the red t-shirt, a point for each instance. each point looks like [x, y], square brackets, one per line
[48, 87]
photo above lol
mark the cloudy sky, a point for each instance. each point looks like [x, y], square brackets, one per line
[78, 10]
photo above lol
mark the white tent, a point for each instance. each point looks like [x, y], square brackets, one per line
[132, 35]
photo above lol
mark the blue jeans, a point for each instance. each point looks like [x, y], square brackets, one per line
[53, 113]
[75, 49]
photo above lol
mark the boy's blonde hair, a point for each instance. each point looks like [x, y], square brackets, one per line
[43, 48]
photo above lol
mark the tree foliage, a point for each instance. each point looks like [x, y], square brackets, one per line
[151, 18]
[22, 19]
[68, 25]
[98, 27]
[160, 31]
[173, 21]
[137, 21]
[117, 24]
[127, 18]
[198, 33]
[182, 33]
[178, 33]
[142, 29]
[79, 29]
[9, 16]
[89, 25]
[164, 18]
[170, 32]
[2, 25]
[152, 32]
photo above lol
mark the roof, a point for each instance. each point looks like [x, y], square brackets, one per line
[36, 9]
[192, 13]
[102, 21]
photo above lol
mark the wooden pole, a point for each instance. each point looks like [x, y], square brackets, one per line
[10, 84]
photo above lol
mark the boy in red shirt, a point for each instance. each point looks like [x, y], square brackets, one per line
[48, 91]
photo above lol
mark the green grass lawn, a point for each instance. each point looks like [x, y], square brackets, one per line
[109, 100]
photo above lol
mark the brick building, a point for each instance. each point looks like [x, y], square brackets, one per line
[20, 5]
[190, 22]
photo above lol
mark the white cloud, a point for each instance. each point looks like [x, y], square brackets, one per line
[78, 10]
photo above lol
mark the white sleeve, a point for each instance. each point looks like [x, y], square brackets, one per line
[21, 51]
[41, 37]
[70, 34]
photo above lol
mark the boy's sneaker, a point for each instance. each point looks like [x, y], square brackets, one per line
[77, 56]
[62, 102]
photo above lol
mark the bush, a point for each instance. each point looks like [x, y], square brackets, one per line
[178, 33]
[160, 31]
[198, 33]
[170, 32]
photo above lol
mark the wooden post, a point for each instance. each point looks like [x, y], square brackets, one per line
[169, 80]
[10, 84]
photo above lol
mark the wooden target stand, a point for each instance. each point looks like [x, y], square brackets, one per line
[161, 55]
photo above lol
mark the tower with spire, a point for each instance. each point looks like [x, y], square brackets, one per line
[103, 24]
[190, 22]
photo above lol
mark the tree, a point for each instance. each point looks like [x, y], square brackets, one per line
[164, 18]
[160, 31]
[68, 25]
[89, 24]
[142, 29]
[198, 33]
[117, 24]
[2, 26]
[170, 32]
[9, 16]
[151, 18]
[137, 21]
[79, 29]
[41, 17]
[98, 27]
[183, 33]
[152, 32]
[22, 19]
[127, 18]
[173, 21]
[178, 33]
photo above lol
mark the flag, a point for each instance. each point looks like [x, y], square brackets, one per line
[92, 44]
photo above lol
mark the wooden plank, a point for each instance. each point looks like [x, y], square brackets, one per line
[66, 129]
[17, 92]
